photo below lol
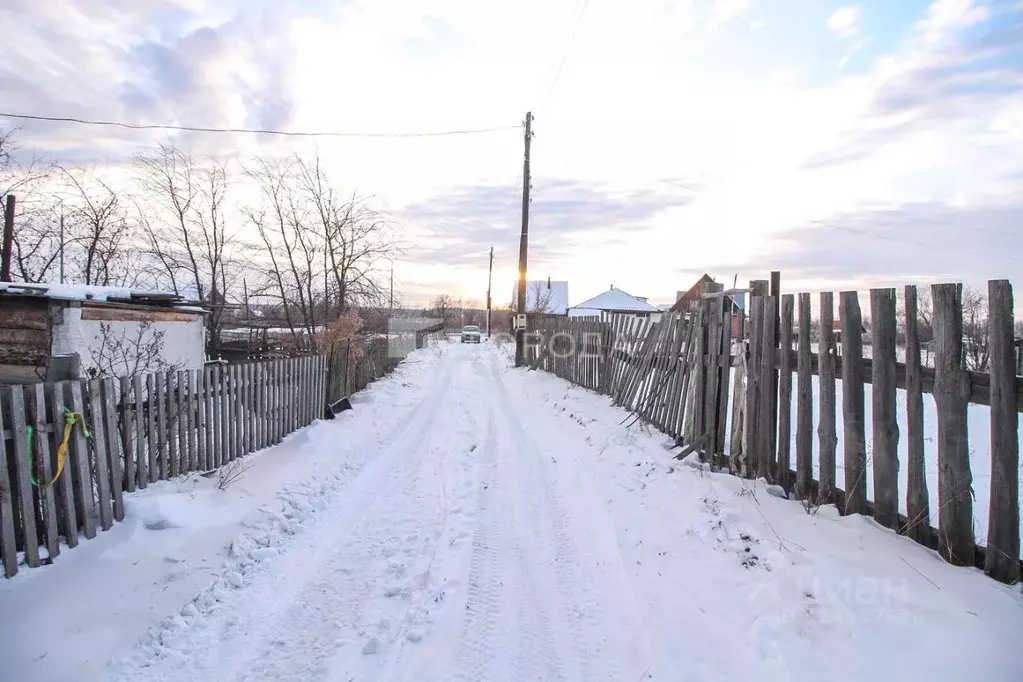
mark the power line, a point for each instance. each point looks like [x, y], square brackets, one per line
[913, 243]
[905, 216]
[254, 131]
[564, 56]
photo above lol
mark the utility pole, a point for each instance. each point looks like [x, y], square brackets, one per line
[490, 277]
[520, 334]
[5, 262]
[392, 287]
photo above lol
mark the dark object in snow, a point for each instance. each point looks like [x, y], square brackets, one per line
[337, 408]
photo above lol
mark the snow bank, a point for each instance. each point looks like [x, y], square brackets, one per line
[183, 538]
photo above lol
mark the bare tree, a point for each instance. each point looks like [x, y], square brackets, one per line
[976, 344]
[540, 298]
[183, 220]
[127, 352]
[324, 250]
[100, 235]
[444, 307]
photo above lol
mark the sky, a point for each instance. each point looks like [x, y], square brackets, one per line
[848, 145]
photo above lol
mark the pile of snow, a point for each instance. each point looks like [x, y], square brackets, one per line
[80, 292]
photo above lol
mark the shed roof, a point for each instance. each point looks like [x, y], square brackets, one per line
[90, 292]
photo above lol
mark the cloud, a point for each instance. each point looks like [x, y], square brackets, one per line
[723, 11]
[455, 228]
[962, 67]
[912, 243]
[845, 21]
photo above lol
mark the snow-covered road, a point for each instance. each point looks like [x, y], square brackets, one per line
[482, 523]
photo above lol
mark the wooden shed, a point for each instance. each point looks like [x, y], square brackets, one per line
[51, 332]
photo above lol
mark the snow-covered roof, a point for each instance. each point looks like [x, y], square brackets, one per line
[92, 292]
[616, 299]
[555, 297]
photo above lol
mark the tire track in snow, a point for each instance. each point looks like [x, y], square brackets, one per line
[577, 623]
[240, 636]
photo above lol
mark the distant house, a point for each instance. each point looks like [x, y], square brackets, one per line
[689, 302]
[52, 332]
[544, 296]
[615, 301]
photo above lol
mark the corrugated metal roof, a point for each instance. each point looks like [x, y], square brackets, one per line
[88, 292]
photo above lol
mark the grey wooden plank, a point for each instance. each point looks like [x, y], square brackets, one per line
[140, 444]
[253, 404]
[214, 417]
[43, 465]
[128, 440]
[1001, 561]
[918, 511]
[201, 425]
[183, 432]
[785, 392]
[768, 398]
[854, 437]
[173, 423]
[64, 489]
[226, 419]
[725, 380]
[885, 425]
[750, 439]
[78, 461]
[191, 419]
[162, 447]
[951, 393]
[804, 404]
[8, 542]
[100, 458]
[113, 451]
[22, 483]
[240, 431]
[827, 433]
[152, 433]
[259, 407]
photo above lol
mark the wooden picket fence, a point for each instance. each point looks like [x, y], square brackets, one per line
[141, 429]
[682, 374]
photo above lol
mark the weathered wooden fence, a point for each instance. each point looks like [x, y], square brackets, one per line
[141, 429]
[681, 375]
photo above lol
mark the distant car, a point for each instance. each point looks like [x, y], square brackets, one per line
[470, 334]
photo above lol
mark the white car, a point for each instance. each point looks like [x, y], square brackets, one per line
[470, 334]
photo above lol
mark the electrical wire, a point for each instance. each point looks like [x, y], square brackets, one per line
[564, 56]
[913, 243]
[254, 131]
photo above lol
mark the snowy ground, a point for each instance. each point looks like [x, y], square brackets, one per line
[468, 521]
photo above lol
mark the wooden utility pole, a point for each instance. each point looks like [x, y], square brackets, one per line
[520, 334]
[5, 261]
[490, 277]
[392, 287]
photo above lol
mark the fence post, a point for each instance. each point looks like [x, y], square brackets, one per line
[885, 425]
[64, 488]
[785, 392]
[826, 430]
[1001, 561]
[853, 414]
[40, 451]
[918, 514]
[768, 398]
[113, 452]
[804, 403]
[8, 543]
[79, 462]
[100, 453]
[951, 393]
